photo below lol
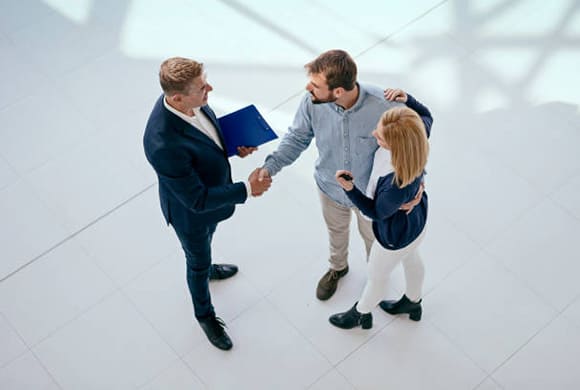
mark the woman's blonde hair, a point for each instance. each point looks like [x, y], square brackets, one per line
[404, 132]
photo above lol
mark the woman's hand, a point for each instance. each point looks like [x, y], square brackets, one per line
[342, 177]
[409, 206]
[395, 95]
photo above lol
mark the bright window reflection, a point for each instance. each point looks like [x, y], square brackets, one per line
[75, 10]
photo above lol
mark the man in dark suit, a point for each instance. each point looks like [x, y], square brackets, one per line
[184, 144]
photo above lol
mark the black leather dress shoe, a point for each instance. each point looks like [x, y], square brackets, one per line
[351, 319]
[222, 271]
[403, 306]
[214, 330]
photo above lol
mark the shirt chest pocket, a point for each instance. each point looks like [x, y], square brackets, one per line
[365, 146]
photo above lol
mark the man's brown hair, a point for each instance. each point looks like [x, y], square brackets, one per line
[338, 68]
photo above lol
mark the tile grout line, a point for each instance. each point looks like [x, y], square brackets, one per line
[17, 270]
[560, 314]
[28, 349]
[525, 283]
[309, 341]
[57, 383]
[491, 378]
[304, 337]
[460, 349]
[369, 48]
[403, 27]
[524, 344]
[13, 328]
[489, 374]
[179, 357]
[74, 234]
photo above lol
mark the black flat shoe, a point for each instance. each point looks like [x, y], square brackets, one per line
[222, 271]
[352, 318]
[403, 306]
[214, 330]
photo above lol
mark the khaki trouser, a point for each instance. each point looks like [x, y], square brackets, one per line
[337, 218]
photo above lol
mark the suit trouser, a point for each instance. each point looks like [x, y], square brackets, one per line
[337, 218]
[197, 247]
[381, 262]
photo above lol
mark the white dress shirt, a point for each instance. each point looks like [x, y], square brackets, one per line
[202, 123]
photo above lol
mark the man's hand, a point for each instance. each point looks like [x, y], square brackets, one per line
[263, 174]
[408, 207]
[244, 151]
[259, 185]
[341, 177]
[395, 95]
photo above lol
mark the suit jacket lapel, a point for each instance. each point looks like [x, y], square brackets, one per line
[192, 131]
[210, 114]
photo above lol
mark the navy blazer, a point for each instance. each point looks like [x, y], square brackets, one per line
[195, 183]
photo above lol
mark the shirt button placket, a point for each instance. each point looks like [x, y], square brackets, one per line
[346, 143]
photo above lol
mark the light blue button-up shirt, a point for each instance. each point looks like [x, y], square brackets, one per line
[343, 138]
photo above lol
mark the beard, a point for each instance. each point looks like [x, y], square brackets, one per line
[328, 99]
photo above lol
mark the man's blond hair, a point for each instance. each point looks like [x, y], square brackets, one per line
[176, 74]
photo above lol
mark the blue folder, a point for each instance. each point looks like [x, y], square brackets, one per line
[245, 127]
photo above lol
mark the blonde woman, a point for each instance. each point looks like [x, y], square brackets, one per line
[396, 178]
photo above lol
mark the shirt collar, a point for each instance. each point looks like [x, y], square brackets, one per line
[187, 118]
[357, 105]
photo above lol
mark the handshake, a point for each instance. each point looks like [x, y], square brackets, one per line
[260, 181]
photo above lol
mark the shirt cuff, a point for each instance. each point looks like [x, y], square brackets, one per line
[248, 189]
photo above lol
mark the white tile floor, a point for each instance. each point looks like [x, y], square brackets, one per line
[92, 290]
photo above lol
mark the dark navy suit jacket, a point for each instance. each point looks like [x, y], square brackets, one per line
[195, 183]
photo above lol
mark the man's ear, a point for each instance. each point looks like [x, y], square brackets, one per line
[338, 92]
[176, 97]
